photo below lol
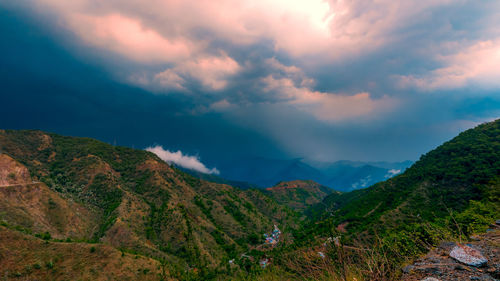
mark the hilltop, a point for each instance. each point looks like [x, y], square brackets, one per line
[298, 194]
[80, 189]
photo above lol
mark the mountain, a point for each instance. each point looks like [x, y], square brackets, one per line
[452, 191]
[266, 172]
[79, 189]
[26, 257]
[298, 194]
[347, 177]
[218, 179]
[72, 206]
[341, 175]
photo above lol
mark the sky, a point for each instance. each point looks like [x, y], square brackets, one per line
[214, 81]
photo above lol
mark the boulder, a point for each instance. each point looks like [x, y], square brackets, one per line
[468, 256]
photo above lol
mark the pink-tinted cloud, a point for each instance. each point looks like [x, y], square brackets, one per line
[478, 65]
[331, 29]
[330, 107]
[207, 40]
[211, 72]
[128, 37]
[293, 87]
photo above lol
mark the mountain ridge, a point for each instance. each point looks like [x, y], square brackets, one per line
[298, 194]
[343, 175]
[140, 205]
[132, 200]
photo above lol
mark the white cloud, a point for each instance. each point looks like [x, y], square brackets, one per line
[392, 172]
[362, 183]
[180, 159]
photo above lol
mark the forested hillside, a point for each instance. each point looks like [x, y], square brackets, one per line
[80, 194]
[452, 192]
[80, 189]
[299, 194]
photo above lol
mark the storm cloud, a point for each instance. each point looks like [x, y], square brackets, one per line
[321, 80]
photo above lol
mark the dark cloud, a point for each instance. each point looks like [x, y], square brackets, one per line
[383, 93]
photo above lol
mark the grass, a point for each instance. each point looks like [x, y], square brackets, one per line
[37, 259]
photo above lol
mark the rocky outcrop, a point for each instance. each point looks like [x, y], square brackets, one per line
[477, 260]
[468, 255]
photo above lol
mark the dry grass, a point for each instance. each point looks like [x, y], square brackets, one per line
[23, 257]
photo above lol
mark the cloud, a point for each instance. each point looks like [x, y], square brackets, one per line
[233, 75]
[129, 37]
[180, 159]
[476, 65]
[212, 72]
[292, 87]
[176, 43]
[392, 172]
[327, 106]
[169, 30]
[221, 105]
[168, 80]
[362, 183]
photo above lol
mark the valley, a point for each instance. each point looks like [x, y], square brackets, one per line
[73, 205]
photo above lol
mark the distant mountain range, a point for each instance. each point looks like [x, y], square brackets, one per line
[79, 207]
[341, 175]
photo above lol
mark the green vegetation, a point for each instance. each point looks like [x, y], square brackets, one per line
[451, 192]
[299, 194]
[140, 204]
[199, 230]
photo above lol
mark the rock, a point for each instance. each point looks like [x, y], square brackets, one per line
[482, 278]
[475, 238]
[407, 269]
[461, 267]
[447, 246]
[433, 270]
[468, 256]
[434, 260]
[430, 279]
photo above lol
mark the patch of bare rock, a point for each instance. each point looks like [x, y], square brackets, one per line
[478, 259]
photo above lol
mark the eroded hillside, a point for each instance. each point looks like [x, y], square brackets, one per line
[83, 189]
